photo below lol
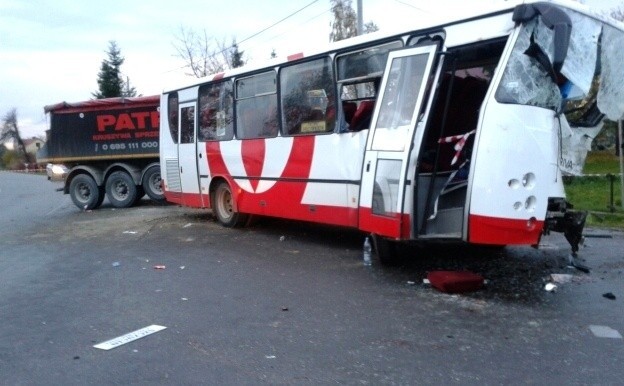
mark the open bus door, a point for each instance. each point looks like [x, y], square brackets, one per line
[187, 150]
[394, 134]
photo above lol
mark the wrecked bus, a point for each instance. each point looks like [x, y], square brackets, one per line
[448, 132]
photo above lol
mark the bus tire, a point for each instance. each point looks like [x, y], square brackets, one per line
[386, 250]
[85, 193]
[121, 190]
[223, 207]
[152, 184]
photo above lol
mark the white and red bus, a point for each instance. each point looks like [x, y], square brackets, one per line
[446, 132]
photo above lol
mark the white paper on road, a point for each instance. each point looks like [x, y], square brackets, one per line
[129, 337]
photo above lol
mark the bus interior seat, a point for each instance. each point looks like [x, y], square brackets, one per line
[349, 109]
[362, 117]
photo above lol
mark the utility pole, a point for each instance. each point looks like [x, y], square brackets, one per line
[360, 18]
[620, 151]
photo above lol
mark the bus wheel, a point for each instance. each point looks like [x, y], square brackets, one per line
[386, 250]
[151, 184]
[85, 193]
[223, 207]
[121, 190]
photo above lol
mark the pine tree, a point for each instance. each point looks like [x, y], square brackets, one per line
[236, 56]
[110, 80]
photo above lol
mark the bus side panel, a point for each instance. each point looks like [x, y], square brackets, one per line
[514, 172]
[301, 178]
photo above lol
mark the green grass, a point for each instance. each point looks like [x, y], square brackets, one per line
[593, 193]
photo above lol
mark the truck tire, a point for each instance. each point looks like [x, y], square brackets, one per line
[85, 193]
[223, 207]
[151, 184]
[121, 190]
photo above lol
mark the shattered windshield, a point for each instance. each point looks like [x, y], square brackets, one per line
[526, 81]
[590, 84]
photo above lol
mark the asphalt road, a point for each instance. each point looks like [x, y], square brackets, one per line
[285, 303]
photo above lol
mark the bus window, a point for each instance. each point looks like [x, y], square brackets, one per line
[358, 101]
[215, 112]
[365, 63]
[256, 106]
[307, 96]
[359, 75]
[172, 114]
[187, 125]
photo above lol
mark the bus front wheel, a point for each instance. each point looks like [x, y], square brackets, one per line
[386, 251]
[223, 207]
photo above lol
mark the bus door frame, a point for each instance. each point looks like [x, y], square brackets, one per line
[187, 156]
[386, 168]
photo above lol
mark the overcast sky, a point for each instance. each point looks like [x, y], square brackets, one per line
[51, 51]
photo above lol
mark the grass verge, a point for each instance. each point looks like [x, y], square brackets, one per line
[594, 193]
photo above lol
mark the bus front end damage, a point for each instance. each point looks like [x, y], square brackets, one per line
[582, 52]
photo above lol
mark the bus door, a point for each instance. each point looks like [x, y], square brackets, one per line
[393, 136]
[187, 153]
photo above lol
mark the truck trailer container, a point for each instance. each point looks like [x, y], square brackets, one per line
[110, 148]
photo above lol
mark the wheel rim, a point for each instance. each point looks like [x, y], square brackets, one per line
[154, 183]
[120, 190]
[224, 204]
[83, 192]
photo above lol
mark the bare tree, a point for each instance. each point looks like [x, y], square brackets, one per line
[10, 131]
[344, 24]
[205, 55]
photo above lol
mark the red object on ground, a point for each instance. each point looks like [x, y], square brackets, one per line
[455, 281]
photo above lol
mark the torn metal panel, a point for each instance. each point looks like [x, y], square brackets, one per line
[575, 143]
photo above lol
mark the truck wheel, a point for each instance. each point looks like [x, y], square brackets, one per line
[121, 190]
[85, 193]
[223, 207]
[151, 184]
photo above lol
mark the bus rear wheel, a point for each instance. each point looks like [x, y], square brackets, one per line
[223, 207]
[151, 184]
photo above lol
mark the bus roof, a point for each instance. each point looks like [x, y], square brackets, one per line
[476, 12]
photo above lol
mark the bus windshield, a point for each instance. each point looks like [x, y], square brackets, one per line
[591, 74]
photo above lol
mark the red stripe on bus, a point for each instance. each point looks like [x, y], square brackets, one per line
[395, 226]
[253, 152]
[503, 231]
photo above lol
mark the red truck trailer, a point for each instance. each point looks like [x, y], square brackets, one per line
[108, 147]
